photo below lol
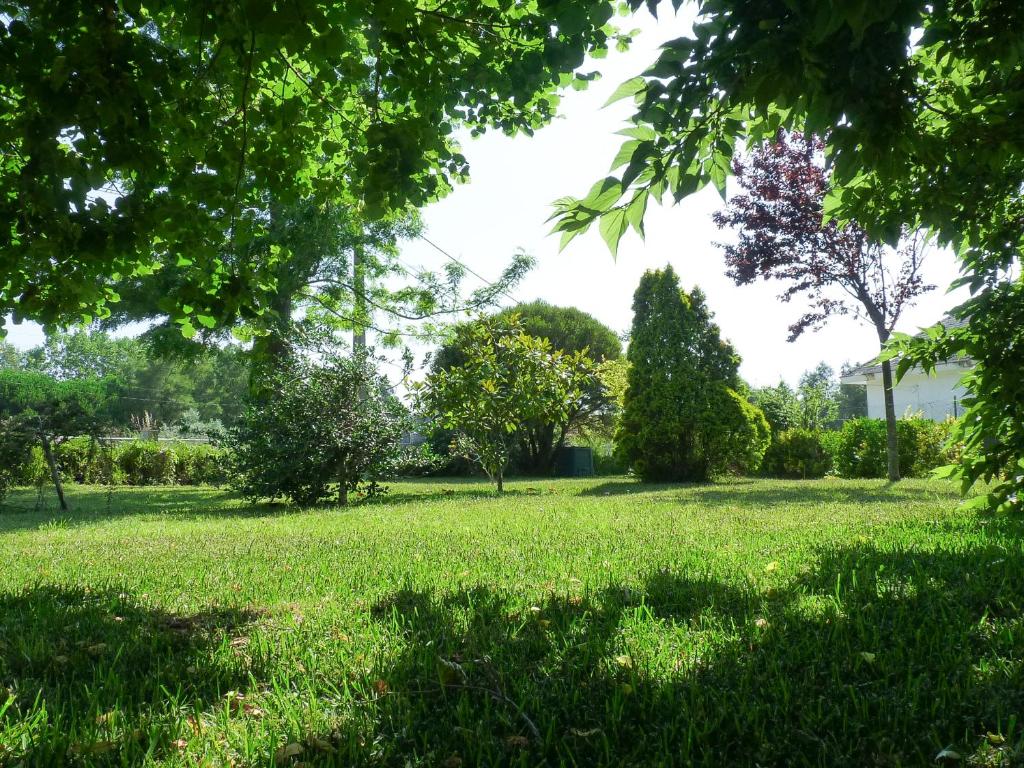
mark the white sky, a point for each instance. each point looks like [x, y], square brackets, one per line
[508, 200]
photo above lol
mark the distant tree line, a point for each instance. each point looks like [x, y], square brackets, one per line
[191, 386]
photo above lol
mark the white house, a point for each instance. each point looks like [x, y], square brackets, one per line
[936, 395]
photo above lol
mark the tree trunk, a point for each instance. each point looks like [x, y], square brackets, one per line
[556, 446]
[270, 352]
[500, 477]
[343, 483]
[359, 302]
[892, 441]
[54, 470]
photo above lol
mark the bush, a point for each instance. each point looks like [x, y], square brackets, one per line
[606, 464]
[14, 454]
[314, 425]
[418, 461]
[798, 453]
[199, 464]
[33, 470]
[860, 450]
[84, 460]
[143, 462]
[138, 462]
[737, 439]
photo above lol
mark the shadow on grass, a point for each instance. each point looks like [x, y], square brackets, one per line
[459, 492]
[92, 504]
[69, 657]
[625, 487]
[790, 492]
[871, 658]
[748, 491]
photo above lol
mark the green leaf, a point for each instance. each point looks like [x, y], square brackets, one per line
[719, 176]
[637, 163]
[612, 228]
[631, 87]
[946, 472]
[568, 236]
[635, 212]
[624, 154]
[641, 132]
[603, 195]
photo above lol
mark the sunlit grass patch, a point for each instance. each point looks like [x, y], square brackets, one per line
[595, 622]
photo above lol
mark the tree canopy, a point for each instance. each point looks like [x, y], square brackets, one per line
[777, 216]
[567, 328]
[136, 136]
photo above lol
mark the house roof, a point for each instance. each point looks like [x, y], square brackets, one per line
[873, 367]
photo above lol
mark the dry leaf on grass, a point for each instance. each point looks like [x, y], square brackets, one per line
[287, 752]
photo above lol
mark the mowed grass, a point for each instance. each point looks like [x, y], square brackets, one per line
[573, 623]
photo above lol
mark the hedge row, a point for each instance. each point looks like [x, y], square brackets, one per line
[138, 462]
[858, 449]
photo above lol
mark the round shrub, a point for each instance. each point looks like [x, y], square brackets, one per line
[316, 430]
[742, 437]
[797, 453]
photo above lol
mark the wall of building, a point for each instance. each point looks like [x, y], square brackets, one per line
[937, 396]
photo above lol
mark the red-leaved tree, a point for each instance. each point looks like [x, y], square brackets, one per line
[839, 270]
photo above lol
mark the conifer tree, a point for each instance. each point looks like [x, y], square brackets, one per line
[682, 418]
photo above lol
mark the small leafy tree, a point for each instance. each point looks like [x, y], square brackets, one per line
[36, 408]
[507, 379]
[682, 417]
[814, 405]
[10, 356]
[838, 269]
[316, 424]
[569, 331]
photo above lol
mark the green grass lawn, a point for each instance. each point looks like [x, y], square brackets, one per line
[569, 623]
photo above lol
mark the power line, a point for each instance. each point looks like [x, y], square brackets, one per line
[414, 269]
[468, 268]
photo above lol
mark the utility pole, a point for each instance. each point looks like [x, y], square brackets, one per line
[359, 306]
